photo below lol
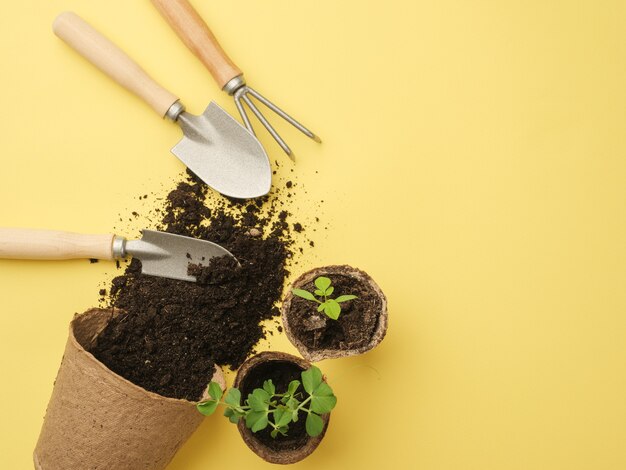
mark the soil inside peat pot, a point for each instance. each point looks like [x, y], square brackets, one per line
[171, 332]
[352, 330]
[281, 373]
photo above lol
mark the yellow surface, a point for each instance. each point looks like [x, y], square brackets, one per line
[473, 163]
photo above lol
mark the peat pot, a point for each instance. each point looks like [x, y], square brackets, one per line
[281, 368]
[360, 327]
[99, 420]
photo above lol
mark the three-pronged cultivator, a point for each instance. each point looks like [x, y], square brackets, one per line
[195, 33]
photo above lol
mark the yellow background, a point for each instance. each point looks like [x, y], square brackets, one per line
[473, 162]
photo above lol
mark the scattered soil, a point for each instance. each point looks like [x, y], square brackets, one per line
[353, 329]
[172, 332]
[281, 373]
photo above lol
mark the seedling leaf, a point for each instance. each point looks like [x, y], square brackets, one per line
[207, 408]
[345, 298]
[215, 391]
[332, 309]
[322, 399]
[259, 400]
[281, 430]
[268, 386]
[311, 379]
[304, 294]
[293, 386]
[323, 405]
[322, 283]
[282, 417]
[314, 425]
[323, 390]
[232, 416]
[233, 398]
[257, 420]
[292, 403]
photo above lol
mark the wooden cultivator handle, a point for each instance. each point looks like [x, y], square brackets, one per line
[114, 62]
[197, 36]
[19, 243]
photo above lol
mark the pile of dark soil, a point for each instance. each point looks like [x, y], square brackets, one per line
[280, 373]
[172, 332]
[353, 329]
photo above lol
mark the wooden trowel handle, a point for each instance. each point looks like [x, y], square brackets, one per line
[18, 243]
[197, 36]
[109, 58]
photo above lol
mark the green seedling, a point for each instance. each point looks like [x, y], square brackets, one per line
[331, 307]
[264, 407]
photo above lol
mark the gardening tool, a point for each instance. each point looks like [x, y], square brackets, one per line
[197, 36]
[215, 146]
[161, 254]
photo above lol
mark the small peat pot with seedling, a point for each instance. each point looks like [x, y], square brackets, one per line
[334, 311]
[322, 296]
[280, 403]
[98, 419]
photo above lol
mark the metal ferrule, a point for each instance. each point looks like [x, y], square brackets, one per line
[234, 84]
[119, 247]
[175, 110]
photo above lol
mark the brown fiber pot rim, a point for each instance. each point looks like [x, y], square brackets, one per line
[317, 354]
[263, 451]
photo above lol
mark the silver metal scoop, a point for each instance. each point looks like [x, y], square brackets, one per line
[222, 153]
[215, 146]
[162, 254]
[197, 36]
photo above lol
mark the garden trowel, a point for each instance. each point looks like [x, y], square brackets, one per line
[220, 151]
[161, 254]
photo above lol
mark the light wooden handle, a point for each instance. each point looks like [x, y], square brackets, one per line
[17, 243]
[197, 36]
[109, 58]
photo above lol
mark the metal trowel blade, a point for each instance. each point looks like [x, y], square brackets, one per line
[224, 154]
[167, 255]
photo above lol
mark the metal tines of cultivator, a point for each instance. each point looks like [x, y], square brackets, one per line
[238, 89]
[195, 33]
